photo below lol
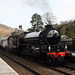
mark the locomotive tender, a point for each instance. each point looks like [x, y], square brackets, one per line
[45, 45]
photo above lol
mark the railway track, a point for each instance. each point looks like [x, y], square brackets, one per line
[33, 67]
[61, 69]
[72, 68]
[21, 64]
[67, 70]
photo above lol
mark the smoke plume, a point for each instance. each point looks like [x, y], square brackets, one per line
[43, 5]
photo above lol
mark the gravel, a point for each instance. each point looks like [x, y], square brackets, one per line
[31, 64]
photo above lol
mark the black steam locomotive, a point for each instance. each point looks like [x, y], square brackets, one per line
[45, 45]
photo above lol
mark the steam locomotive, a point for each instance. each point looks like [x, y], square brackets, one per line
[45, 45]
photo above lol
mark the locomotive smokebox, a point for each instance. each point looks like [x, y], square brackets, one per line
[52, 36]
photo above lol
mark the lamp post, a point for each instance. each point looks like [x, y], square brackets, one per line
[36, 22]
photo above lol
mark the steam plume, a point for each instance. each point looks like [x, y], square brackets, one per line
[43, 5]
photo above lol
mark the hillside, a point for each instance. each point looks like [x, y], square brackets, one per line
[5, 30]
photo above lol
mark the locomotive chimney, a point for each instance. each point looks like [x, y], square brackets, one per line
[16, 29]
[48, 26]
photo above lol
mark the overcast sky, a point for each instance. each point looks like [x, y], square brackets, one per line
[16, 12]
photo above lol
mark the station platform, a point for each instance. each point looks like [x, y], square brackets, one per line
[5, 69]
[73, 53]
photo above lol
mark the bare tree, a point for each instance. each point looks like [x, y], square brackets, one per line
[49, 18]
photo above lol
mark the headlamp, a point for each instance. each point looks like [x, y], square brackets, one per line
[66, 47]
[49, 48]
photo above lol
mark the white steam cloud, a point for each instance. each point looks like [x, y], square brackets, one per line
[43, 5]
[3, 42]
